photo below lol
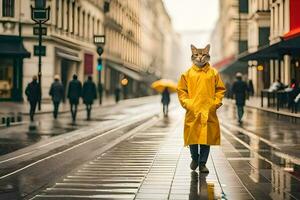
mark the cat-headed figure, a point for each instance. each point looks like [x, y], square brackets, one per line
[200, 57]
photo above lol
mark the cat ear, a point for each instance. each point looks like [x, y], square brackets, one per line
[194, 49]
[207, 48]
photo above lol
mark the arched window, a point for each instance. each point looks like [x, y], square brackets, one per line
[8, 8]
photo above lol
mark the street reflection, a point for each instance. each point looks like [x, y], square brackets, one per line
[201, 189]
[274, 171]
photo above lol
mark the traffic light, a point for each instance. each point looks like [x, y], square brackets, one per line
[100, 50]
[99, 65]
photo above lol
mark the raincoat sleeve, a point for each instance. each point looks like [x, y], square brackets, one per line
[219, 90]
[182, 91]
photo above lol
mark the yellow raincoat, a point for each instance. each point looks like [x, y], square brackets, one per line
[200, 92]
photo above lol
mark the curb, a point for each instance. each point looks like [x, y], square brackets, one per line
[267, 110]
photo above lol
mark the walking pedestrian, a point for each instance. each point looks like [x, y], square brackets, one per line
[165, 100]
[33, 93]
[250, 88]
[240, 90]
[74, 93]
[57, 93]
[89, 93]
[200, 92]
[117, 94]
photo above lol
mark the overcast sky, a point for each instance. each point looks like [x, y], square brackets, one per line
[194, 19]
[192, 14]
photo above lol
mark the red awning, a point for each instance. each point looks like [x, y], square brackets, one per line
[293, 33]
[224, 62]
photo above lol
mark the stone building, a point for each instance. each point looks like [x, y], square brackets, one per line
[137, 44]
[229, 37]
[273, 44]
[69, 42]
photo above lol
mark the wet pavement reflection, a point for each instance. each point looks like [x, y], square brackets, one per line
[251, 163]
[201, 189]
[264, 152]
[45, 127]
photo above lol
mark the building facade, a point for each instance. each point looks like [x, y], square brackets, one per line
[258, 37]
[273, 44]
[137, 50]
[229, 37]
[278, 54]
[69, 41]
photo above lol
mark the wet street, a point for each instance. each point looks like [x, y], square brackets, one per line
[45, 127]
[264, 152]
[129, 151]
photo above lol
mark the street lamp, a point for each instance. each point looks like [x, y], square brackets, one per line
[40, 14]
[99, 40]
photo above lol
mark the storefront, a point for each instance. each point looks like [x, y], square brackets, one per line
[279, 61]
[67, 64]
[130, 82]
[12, 53]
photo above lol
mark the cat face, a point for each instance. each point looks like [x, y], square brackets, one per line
[200, 57]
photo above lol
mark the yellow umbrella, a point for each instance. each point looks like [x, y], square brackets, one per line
[161, 84]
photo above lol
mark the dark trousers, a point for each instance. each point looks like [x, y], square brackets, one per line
[240, 112]
[201, 158]
[55, 111]
[88, 110]
[165, 109]
[32, 109]
[73, 111]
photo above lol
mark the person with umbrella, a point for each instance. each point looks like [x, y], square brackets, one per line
[165, 86]
[165, 100]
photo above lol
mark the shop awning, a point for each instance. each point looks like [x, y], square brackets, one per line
[68, 56]
[292, 34]
[122, 69]
[274, 51]
[12, 46]
[222, 63]
[234, 67]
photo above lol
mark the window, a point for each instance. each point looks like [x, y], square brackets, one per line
[83, 25]
[73, 17]
[8, 8]
[243, 6]
[264, 33]
[68, 16]
[62, 14]
[78, 20]
[88, 26]
[57, 12]
[243, 46]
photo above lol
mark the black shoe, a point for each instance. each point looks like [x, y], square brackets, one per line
[193, 165]
[203, 169]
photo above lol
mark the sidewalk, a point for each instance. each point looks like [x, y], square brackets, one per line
[255, 102]
[46, 107]
[152, 164]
